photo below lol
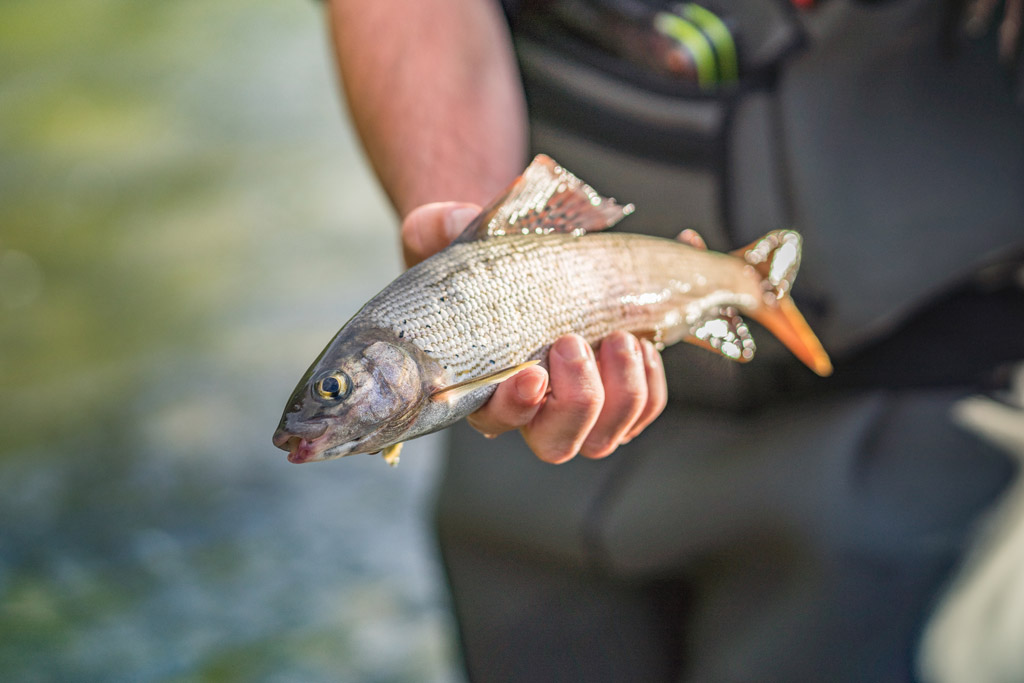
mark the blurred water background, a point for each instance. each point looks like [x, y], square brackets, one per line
[185, 220]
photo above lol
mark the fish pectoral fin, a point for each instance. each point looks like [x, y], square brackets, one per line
[457, 391]
[391, 454]
[546, 198]
[723, 331]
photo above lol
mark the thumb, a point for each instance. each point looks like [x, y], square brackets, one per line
[430, 228]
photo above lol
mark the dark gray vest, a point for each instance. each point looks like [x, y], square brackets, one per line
[898, 155]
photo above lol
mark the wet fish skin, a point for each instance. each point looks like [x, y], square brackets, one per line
[480, 307]
[521, 277]
[487, 305]
[387, 376]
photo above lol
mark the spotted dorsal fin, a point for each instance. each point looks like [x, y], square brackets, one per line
[546, 198]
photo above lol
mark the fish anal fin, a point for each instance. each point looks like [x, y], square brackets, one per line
[546, 198]
[457, 391]
[391, 454]
[723, 331]
[692, 238]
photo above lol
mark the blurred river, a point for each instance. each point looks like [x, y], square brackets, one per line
[185, 220]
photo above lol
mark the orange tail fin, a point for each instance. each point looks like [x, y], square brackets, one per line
[776, 258]
[785, 322]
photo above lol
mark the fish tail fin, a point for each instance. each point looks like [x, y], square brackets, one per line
[776, 259]
[784, 320]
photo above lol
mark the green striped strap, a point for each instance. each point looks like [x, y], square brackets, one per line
[719, 36]
[682, 30]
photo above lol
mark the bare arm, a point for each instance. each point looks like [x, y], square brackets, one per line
[434, 91]
[436, 99]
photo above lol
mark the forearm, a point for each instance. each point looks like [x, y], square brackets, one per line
[435, 96]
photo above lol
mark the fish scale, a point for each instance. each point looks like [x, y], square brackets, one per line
[524, 291]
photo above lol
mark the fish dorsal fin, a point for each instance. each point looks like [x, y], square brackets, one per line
[776, 258]
[457, 391]
[546, 198]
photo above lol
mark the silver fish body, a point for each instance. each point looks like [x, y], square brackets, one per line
[481, 306]
[430, 348]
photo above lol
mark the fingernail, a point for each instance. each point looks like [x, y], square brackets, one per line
[530, 386]
[458, 220]
[412, 241]
[572, 349]
[650, 353]
[625, 343]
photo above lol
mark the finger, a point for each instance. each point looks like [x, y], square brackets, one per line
[1009, 30]
[514, 403]
[657, 390]
[693, 238]
[430, 228]
[568, 414]
[625, 394]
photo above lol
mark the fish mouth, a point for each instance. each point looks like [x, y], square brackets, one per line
[316, 442]
[302, 450]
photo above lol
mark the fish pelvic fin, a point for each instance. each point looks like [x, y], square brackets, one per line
[457, 391]
[391, 454]
[775, 258]
[546, 198]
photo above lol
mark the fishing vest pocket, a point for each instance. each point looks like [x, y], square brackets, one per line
[647, 97]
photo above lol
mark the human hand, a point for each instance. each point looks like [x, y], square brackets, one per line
[589, 403]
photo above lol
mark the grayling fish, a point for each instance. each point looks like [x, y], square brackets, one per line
[432, 346]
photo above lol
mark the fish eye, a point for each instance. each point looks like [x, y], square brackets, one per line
[333, 387]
